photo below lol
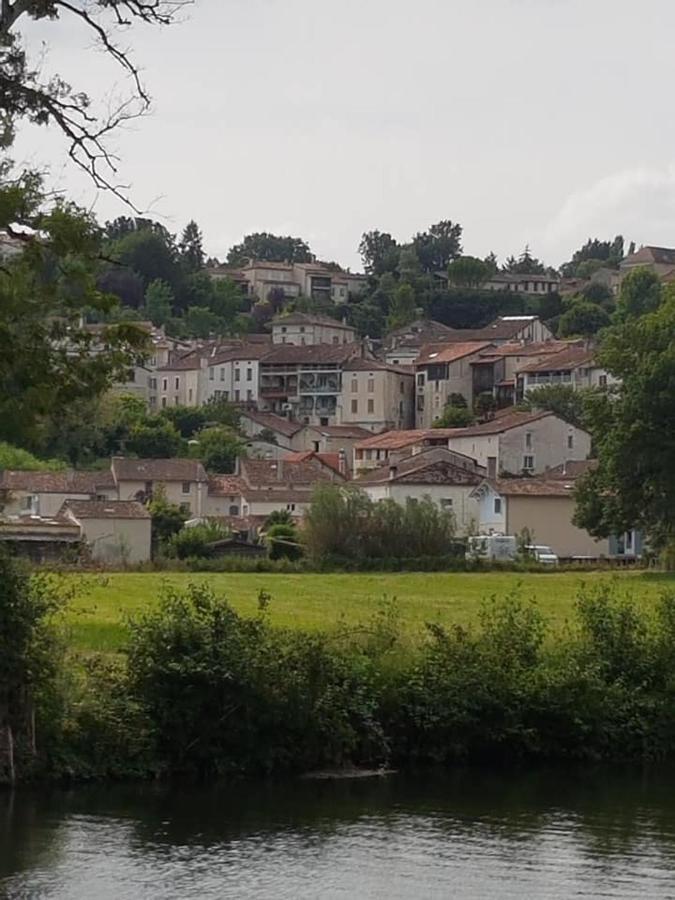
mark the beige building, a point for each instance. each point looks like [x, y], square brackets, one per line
[179, 382]
[574, 366]
[302, 329]
[436, 473]
[233, 374]
[442, 370]
[115, 531]
[660, 260]
[495, 370]
[516, 442]
[43, 494]
[393, 446]
[376, 396]
[523, 284]
[184, 481]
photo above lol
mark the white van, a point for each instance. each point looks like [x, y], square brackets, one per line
[497, 547]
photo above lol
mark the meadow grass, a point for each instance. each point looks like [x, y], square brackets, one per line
[102, 604]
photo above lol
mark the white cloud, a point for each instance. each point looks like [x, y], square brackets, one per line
[638, 203]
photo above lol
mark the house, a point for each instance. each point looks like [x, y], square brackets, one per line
[303, 329]
[281, 430]
[335, 439]
[525, 329]
[261, 487]
[180, 380]
[523, 284]
[116, 531]
[442, 370]
[433, 473]
[660, 260]
[305, 382]
[184, 481]
[232, 374]
[574, 366]
[377, 396]
[291, 280]
[495, 369]
[43, 494]
[381, 449]
[544, 508]
[514, 442]
[402, 346]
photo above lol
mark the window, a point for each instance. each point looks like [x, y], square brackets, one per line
[237, 374]
[29, 502]
[355, 406]
[323, 421]
[249, 395]
[177, 382]
[290, 507]
[249, 374]
[283, 329]
[211, 373]
[222, 374]
[186, 487]
[176, 400]
[190, 396]
[420, 380]
[225, 395]
[163, 401]
[528, 440]
[401, 387]
[302, 341]
[371, 385]
[234, 510]
[355, 386]
[371, 406]
[336, 340]
[148, 487]
[236, 396]
[528, 463]
[153, 401]
[570, 441]
[153, 384]
[132, 375]
[369, 454]
[602, 380]
[446, 503]
[153, 360]
[498, 506]
[302, 329]
[165, 384]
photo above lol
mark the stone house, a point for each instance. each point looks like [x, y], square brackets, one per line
[303, 329]
[376, 396]
[116, 531]
[184, 481]
[43, 494]
[442, 370]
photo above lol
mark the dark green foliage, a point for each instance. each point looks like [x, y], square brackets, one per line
[526, 264]
[379, 252]
[438, 246]
[582, 319]
[155, 439]
[283, 541]
[602, 253]
[561, 399]
[167, 518]
[343, 522]
[269, 248]
[218, 448]
[468, 272]
[195, 542]
[454, 417]
[278, 517]
[641, 293]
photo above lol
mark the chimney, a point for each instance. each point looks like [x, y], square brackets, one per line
[393, 471]
[342, 461]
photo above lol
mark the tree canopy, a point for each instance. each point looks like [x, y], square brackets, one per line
[269, 248]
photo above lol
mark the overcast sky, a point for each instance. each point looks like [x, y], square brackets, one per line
[527, 121]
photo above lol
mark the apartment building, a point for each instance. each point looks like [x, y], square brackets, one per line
[302, 329]
[292, 280]
[305, 382]
[179, 382]
[233, 374]
[442, 370]
[376, 396]
[392, 446]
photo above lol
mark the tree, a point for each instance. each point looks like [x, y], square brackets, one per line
[403, 309]
[561, 399]
[269, 248]
[633, 430]
[600, 253]
[379, 252]
[278, 517]
[600, 294]
[187, 419]
[526, 264]
[122, 283]
[437, 247]
[24, 96]
[582, 319]
[190, 248]
[641, 292]
[47, 359]
[149, 253]
[159, 301]
[200, 322]
[167, 518]
[455, 417]
[155, 440]
[196, 540]
[218, 448]
[283, 541]
[468, 272]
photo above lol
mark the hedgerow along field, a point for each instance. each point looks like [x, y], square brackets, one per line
[96, 615]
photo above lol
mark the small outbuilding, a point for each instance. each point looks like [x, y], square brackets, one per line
[116, 531]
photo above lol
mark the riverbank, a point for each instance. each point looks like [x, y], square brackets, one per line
[101, 605]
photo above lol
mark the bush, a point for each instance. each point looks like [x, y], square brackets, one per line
[284, 542]
[195, 541]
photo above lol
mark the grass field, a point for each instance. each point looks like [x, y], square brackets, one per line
[96, 616]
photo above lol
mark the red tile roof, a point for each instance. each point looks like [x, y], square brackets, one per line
[375, 365]
[395, 440]
[311, 353]
[157, 469]
[419, 469]
[569, 359]
[273, 422]
[225, 485]
[505, 420]
[66, 482]
[106, 509]
[433, 354]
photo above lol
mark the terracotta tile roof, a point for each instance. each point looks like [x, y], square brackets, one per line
[646, 255]
[375, 365]
[273, 422]
[433, 354]
[346, 432]
[66, 482]
[534, 487]
[503, 329]
[332, 460]
[244, 352]
[569, 359]
[157, 469]
[310, 319]
[418, 333]
[420, 469]
[571, 469]
[186, 363]
[396, 440]
[505, 421]
[258, 473]
[106, 509]
[516, 348]
[311, 353]
[225, 485]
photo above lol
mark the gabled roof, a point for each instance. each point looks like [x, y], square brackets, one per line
[507, 420]
[433, 354]
[243, 352]
[268, 473]
[331, 460]
[225, 485]
[572, 469]
[347, 432]
[375, 365]
[124, 469]
[654, 255]
[396, 440]
[533, 487]
[565, 360]
[273, 422]
[505, 328]
[106, 509]
[66, 482]
[311, 353]
[438, 465]
[516, 348]
[186, 363]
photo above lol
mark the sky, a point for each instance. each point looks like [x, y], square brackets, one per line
[539, 122]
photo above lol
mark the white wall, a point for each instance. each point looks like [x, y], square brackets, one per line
[118, 540]
[463, 507]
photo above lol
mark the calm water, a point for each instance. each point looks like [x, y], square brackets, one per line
[468, 835]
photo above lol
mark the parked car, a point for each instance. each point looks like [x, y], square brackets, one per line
[542, 554]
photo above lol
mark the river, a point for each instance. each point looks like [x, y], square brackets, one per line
[467, 834]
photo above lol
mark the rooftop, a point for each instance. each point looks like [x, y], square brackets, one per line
[375, 365]
[260, 473]
[504, 421]
[124, 469]
[106, 509]
[312, 353]
[448, 353]
[434, 461]
[503, 329]
[568, 359]
[299, 318]
[66, 482]
[647, 255]
[273, 422]
[396, 440]
[343, 431]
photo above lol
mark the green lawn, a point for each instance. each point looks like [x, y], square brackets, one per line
[97, 614]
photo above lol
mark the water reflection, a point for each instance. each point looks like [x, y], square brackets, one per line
[470, 833]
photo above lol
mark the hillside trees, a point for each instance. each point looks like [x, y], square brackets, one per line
[269, 248]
